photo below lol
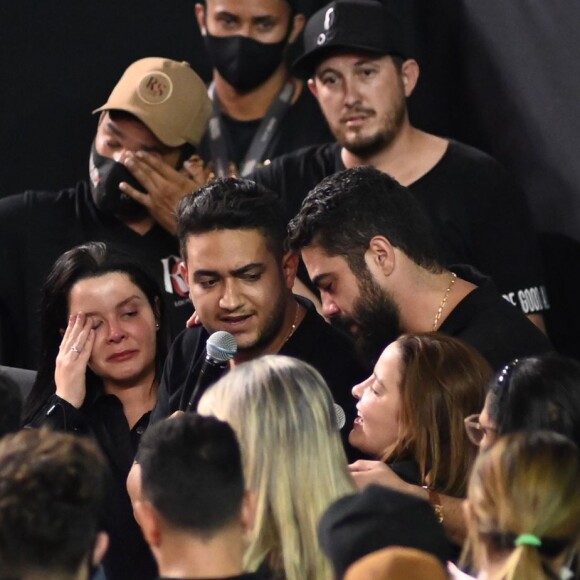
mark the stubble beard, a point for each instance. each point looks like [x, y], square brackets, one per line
[368, 146]
[271, 329]
[377, 319]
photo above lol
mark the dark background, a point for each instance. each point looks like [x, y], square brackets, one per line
[503, 76]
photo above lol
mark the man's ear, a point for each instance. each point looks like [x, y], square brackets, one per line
[200, 17]
[290, 267]
[100, 548]
[380, 256]
[410, 76]
[183, 271]
[312, 86]
[149, 521]
[248, 513]
[297, 26]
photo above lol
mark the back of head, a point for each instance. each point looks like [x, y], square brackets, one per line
[191, 472]
[444, 381]
[377, 518]
[524, 504]
[51, 496]
[534, 393]
[232, 204]
[346, 210]
[90, 260]
[283, 414]
[397, 564]
[10, 405]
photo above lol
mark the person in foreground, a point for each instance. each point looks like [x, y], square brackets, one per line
[283, 415]
[52, 491]
[232, 235]
[371, 251]
[523, 508]
[190, 499]
[104, 343]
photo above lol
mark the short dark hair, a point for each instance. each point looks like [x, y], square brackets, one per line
[534, 393]
[10, 405]
[232, 204]
[191, 471]
[52, 488]
[346, 210]
[90, 260]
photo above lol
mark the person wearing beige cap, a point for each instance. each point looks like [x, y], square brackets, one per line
[139, 167]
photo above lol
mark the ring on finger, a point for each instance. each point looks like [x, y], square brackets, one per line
[75, 348]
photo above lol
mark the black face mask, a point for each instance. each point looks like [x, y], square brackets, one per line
[244, 62]
[105, 175]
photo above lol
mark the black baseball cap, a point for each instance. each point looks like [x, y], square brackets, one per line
[360, 25]
[376, 518]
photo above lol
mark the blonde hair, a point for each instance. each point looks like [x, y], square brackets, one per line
[283, 414]
[526, 484]
[443, 382]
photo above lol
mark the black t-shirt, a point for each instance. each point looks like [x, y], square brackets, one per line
[36, 228]
[480, 217]
[328, 350]
[247, 576]
[102, 418]
[498, 330]
[302, 125]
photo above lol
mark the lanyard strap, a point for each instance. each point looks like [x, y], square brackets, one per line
[218, 136]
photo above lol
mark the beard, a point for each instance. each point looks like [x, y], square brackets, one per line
[269, 332]
[374, 322]
[368, 146]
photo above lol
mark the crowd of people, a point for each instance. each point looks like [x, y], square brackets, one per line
[391, 409]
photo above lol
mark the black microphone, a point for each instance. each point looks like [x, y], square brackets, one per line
[220, 347]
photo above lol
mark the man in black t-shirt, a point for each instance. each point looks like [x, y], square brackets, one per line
[369, 248]
[359, 68]
[189, 497]
[260, 110]
[232, 236]
[151, 123]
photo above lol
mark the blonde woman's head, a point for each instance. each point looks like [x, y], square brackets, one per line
[283, 414]
[523, 506]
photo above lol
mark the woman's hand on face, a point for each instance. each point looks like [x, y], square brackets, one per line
[73, 357]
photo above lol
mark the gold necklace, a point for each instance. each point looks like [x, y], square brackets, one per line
[294, 324]
[444, 301]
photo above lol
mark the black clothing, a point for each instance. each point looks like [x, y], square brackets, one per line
[101, 417]
[302, 125]
[480, 217]
[247, 576]
[498, 330]
[314, 341]
[36, 228]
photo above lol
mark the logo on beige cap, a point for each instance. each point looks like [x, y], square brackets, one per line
[155, 88]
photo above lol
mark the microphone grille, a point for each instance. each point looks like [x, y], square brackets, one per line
[221, 346]
[340, 416]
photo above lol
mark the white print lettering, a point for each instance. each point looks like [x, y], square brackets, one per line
[173, 282]
[529, 300]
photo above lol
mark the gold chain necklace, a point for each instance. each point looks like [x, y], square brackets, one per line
[294, 324]
[443, 302]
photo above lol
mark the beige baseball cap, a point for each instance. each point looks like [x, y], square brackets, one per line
[167, 96]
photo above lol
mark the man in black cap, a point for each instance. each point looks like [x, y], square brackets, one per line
[260, 111]
[357, 61]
